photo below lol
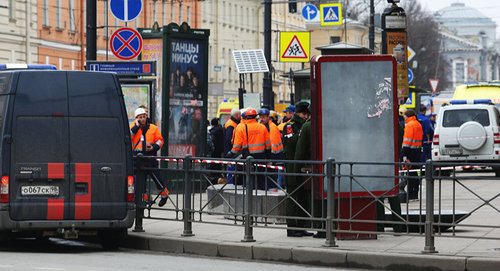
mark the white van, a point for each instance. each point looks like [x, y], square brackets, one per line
[467, 131]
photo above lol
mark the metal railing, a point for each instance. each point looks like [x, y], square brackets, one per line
[198, 197]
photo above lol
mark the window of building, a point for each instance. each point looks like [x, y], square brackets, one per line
[459, 72]
[164, 12]
[334, 39]
[46, 21]
[72, 16]
[248, 19]
[229, 19]
[241, 16]
[12, 9]
[229, 71]
[172, 12]
[235, 15]
[188, 9]
[59, 14]
[224, 11]
[155, 13]
[223, 63]
[180, 13]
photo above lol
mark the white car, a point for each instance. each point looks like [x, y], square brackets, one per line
[467, 131]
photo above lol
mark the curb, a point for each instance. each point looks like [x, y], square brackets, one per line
[309, 256]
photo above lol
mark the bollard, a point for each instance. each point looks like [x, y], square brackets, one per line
[140, 189]
[429, 208]
[330, 201]
[249, 197]
[187, 212]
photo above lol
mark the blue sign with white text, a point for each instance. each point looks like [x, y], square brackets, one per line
[125, 10]
[143, 68]
[309, 12]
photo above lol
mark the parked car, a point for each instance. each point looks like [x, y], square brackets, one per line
[467, 131]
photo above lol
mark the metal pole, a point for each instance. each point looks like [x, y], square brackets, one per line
[91, 30]
[371, 34]
[429, 209]
[140, 189]
[249, 196]
[268, 83]
[330, 201]
[186, 217]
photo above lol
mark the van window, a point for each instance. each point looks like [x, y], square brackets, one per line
[455, 118]
[5, 83]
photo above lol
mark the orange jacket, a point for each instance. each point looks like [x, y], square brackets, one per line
[275, 135]
[258, 140]
[230, 122]
[153, 138]
[412, 137]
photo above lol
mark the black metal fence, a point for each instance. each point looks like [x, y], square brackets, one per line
[253, 193]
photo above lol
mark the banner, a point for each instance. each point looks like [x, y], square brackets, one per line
[397, 46]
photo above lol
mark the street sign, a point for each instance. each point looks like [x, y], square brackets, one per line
[126, 43]
[309, 12]
[410, 75]
[331, 14]
[434, 85]
[294, 46]
[125, 10]
[411, 53]
[138, 68]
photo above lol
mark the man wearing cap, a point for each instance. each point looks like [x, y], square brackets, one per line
[289, 111]
[293, 185]
[147, 140]
[276, 145]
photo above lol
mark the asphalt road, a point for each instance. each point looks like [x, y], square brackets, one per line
[59, 255]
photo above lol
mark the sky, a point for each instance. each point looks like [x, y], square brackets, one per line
[490, 8]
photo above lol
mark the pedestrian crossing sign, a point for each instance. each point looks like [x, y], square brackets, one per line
[331, 14]
[294, 46]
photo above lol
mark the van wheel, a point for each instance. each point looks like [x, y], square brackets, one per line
[110, 239]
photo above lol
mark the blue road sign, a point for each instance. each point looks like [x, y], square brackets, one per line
[331, 14]
[309, 12]
[126, 43]
[410, 75]
[125, 10]
[138, 68]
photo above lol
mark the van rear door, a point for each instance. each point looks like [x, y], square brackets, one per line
[97, 146]
[39, 175]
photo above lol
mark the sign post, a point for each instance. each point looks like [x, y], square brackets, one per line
[309, 12]
[126, 43]
[331, 14]
[125, 10]
[294, 46]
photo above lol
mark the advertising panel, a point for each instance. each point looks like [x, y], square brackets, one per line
[135, 96]
[187, 94]
[397, 46]
[152, 50]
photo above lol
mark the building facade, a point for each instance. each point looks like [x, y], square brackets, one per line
[18, 31]
[469, 44]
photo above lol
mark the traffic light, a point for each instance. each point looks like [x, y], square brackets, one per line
[292, 6]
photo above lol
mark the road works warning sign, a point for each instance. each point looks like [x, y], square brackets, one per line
[294, 46]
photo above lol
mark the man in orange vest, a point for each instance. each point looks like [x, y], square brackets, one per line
[276, 144]
[229, 129]
[252, 138]
[147, 140]
[410, 151]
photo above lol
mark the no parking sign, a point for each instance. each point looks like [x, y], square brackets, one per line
[126, 43]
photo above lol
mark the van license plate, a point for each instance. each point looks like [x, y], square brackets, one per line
[39, 190]
[453, 151]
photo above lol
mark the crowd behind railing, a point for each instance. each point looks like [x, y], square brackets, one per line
[455, 197]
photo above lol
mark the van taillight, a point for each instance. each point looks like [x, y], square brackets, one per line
[4, 189]
[496, 138]
[435, 140]
[130, 189]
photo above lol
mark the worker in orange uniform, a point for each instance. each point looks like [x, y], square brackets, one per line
[229, 128]
[147, 140]
[276, 144]
[251, 139]
[410, 151]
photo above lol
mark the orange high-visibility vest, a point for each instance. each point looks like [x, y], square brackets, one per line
[257, 141]
[230, 122]
[153, 136]
[412, 137]
[275, 135]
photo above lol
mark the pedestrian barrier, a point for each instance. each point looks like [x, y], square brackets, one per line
[253, 196]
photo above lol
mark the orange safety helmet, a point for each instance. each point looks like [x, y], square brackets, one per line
[250, 112]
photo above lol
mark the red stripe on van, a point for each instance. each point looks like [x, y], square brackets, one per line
[55, 171]
[55, 209]
[83, 202]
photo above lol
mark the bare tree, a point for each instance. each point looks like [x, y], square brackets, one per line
[425, 40]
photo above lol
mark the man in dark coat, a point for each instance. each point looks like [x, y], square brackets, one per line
[217, 138]
[293, 184]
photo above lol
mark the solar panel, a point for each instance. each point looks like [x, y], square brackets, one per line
[248, 61]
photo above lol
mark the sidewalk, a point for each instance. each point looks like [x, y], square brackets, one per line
[387, 252]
